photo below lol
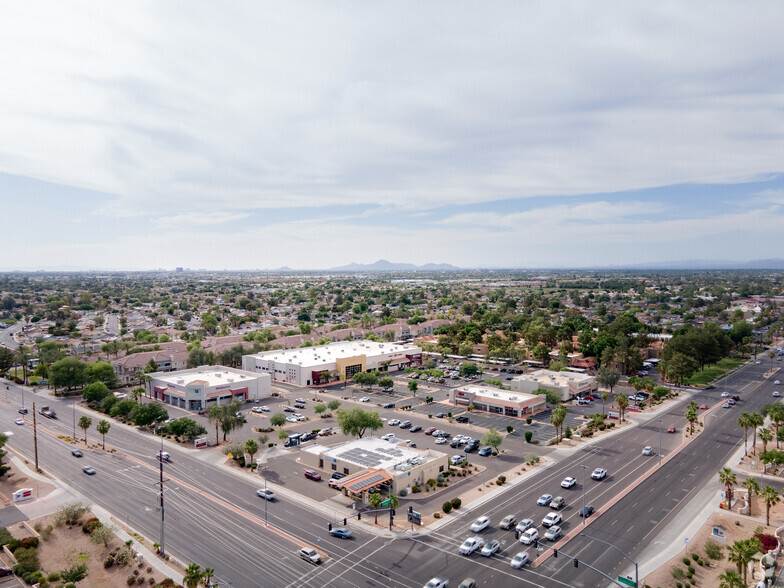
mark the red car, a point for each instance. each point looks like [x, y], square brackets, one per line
[703, 407]
[311, 475]
[5, 572]
[430, 431]
[671, 430]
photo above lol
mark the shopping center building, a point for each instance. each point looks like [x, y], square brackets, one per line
[566, 384]
[498, 401]
[308, 366]
[200, 388]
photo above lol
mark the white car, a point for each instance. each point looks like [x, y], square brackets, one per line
[777, 383]
[291, 419]
[388, 437]
[265, 494]
[19, 421]
[440, 440]
[776, 394]
[528, 537]
[394, 422]
[480, 524]
[264, 408]
[568, 482]
[519, 560]
[553, 533]
[491, 548]
[524, 525]
[551, 519]
[256, 409]
[299, 416]
[471, 544]
[599, 473]
[647, 450]
[457, 459]
[725, 394]
[364, 399]
[300, 400]
[437, 583]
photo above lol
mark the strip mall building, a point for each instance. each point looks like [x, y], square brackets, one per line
[200, 388]
[308, 366]
[498, 401]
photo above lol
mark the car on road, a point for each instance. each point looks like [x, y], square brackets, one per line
[710, 387]
[507, 522]
[524, 525]
[441, 441]
[437, 583]
[405, 425]
[519, 560]
[266, 494]
[726, 405]
[731, 402]
[311, 475]
[568, 482]
[19, 421]
[736, 398]
[468, 583]
[545, 499]
[22, 411]
[553, 533]
[430, 430]
[480, 524]
[471, 544]
[776, 393]
[647, 450]
[758, 362]
[457, 459]
[599, 474]
[485, 451]
[777, 383]
[415, 429]
[528, 537]
[551, 519]
[557, 503]
[364, 399]
[671, 429]
[77, 453]
[491, 548]
[342, 533]
[585, 511]
[703, 407]
[88, 470]
[725, 394]
[310, 555]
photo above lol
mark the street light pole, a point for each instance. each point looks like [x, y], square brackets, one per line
[73, 407]
[584, 513]
[660, 436]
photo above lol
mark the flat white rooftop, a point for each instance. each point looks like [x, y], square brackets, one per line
[211, 375]
[489, 392]
[375, 453]
[321, 354]
[554, 378]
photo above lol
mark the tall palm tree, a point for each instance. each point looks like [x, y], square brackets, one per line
[251, 448]
[84, 423]
[752, 487]
[728, 478]
[691, 414]
[193, 576]
[623, 403]
[776, 414]
[557, 418]
[103, 427]
[375, 502]
[744, 422]
[605, 396]
[208, 574]
[766, 436]
[771, 496]
[756, 421]
[731, 579]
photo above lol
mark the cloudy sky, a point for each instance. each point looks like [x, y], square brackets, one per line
[140, 135]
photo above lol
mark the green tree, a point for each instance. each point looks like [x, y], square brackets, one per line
[3, 467]
[355, 422]
[752, 487]
[208, 574]
[731, 579]
[67, 373]
[84, 424]
[122, 408]
[728, 479]
[6, 359]
[76, 573]
[557, 418]
[469, 370]
[492, 438]
[412, 387]
[193, 576]
[386, 382]
[608, 377]
[766, 436]
[276, 420]
[251, 448]
[756, 421]
[103, 427]
[776, 414]
[623, 403]
[320, 409]
[691, 414]
[375, 502]
[144, 415]
[333, 404]
[225, 417]
[744, 422]
[95, 392]
[771, 497]
[100, 371]
[605, 396]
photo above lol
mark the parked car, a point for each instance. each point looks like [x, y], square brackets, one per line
[311, 475]
[462, 419]
[726, 405]
[776, 393]
[6, 572]
[485, 451]
[440, 415]
[430, 430]
[519, 560]
[389, 405]
[405, 425]
[393, 422]
[599, 474]
[471, 544]
[388, 437]
[545, 499]
[480, 524]
[457, 459]
[415, 429]
[364, 399]
[528, 537]
[491, 548]
[468, 583]
[266, 494]
[310, 555]
[703, 407]
[441, 441]
[288, 409]
[553, 533]
[568, 482]
[22, 411]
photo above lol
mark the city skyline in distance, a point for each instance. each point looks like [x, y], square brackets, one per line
[518, 137]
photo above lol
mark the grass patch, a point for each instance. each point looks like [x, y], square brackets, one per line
[714, 371]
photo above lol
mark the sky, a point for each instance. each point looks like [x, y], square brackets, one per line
[253, 135]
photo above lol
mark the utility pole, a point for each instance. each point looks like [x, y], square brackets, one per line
[160, 461]
[35, 438]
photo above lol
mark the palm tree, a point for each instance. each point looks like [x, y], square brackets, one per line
[557, 418]
[776, 414]
[623, 404]
[756, 421]
[251, 448]
[375, 502]
[744, 422]
[752, 487]
[771, 496]
[766, 436]
[691, 414]
[735, 554]
[728, 478]
[731, 579]
[605, 396]
[208, 574]
[103, 427]
[84, 423]
[193, 576]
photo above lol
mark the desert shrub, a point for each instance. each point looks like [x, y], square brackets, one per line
[70, 514]
[46, 532]
[436, 515]
[446, 507]
[456, 503]
[528, 436]
[108, 562]
[695, 556]
[131, 580]
[27, 559]
[123, 558]
[528, 420]
[416, 490]
[141, 580]
[692, 571]
[568, 433]
[90, 525]
[531, 458]
[713, 550]
[404, 492]
[686, 561]
[53, 577]
[76, 573]
[102, 535]
[152, 581]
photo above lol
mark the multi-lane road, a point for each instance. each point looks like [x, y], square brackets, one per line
[213, 516]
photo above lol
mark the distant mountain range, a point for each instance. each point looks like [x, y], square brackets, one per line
[382, 265]
[707, 264]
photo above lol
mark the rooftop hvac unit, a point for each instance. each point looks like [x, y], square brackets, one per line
[230, 380]
[180, 382]
[218, 375]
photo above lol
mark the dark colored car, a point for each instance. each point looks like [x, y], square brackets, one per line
[299, 406]
[338, 475]
[341, 532]
[390, 405]
[22, 411]
[736, 398]
[311, 475]
[76, 452]
[415, 429]
[288, 409]
[471, 447]
[586, 511]
[462, 419]
[485, 451]
[6, 572]
[88, 470]
[711, 387]
[440, 415]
